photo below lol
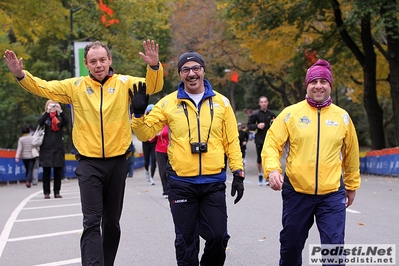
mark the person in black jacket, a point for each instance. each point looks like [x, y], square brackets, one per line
[260, 121]
[243, 136]
[52, 152]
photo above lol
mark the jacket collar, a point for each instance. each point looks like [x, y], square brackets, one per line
[181, 93]
[110, 74]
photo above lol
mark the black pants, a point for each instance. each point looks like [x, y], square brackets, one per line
[199, 210]
[57, 180]
[149, 156]
[162, 159]
[102, 187]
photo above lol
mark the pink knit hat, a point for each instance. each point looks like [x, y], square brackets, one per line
[321, 69]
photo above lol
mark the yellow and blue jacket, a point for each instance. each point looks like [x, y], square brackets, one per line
[213, 122]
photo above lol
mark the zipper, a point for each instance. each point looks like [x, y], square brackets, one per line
[316, 188]
[199, 140]
[101, 121]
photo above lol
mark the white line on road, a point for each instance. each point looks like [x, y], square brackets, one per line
[63, 262]
[10, 222]
[53, 206]
[47, 218]
[352, 211]
[44, 235]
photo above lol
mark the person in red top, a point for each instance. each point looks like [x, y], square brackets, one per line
[149, 153]
[161, 154]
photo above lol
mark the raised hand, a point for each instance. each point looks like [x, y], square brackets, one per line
[14, 64]
[150, 55]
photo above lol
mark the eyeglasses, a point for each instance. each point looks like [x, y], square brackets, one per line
[186, 70]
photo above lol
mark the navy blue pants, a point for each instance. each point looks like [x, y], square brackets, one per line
[199, 210]
[29, 164]
[102, 188]
[299, 211]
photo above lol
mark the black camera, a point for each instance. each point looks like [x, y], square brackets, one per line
[199, 147]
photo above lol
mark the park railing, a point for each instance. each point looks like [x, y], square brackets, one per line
[11, 171]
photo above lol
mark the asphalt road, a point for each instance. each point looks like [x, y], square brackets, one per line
[42, 232]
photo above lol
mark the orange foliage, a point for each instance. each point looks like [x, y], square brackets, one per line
[106, 18]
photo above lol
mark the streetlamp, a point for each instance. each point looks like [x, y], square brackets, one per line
[71, 12]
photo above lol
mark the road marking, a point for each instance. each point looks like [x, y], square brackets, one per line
[47, 218]
[352, 211]
[53, 206]
[68, 198]
[63, 262]
[10, 222]
[44, 235]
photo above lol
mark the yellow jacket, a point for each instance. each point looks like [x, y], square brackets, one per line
[323, 145]
[183, 130]
[101, 119]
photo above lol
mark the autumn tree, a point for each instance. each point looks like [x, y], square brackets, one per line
[39, 32]
[318, 26]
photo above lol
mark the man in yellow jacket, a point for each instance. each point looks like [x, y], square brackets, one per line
[202, 130]
[322, 167]
[101, 137]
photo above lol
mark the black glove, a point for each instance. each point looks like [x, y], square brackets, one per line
[139, 98]
[238, 186]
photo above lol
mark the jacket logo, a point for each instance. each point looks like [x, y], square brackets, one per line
[331, 123]
[89, 90]
[304, 120]
[179, 201]
[346, 119]
[111, 90]
[287, 117]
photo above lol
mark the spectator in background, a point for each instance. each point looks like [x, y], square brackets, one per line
[24, 152]
[130, 160]
[243, 136]
[260, 121]
[149, 154]
[35, 172]
[161, 153]
[52, 151]
[322, 171]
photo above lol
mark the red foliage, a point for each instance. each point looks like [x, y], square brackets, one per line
[106, 18]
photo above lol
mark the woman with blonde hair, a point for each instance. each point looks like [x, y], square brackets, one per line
[52, 153]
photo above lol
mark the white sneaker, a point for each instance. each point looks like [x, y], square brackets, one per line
[147, 176]
[267, 182]
[152, 181]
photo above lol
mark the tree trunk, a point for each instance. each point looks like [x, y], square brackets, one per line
[388, 12]
[367, 60]
[373, 109]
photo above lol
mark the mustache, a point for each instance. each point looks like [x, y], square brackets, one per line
[192, 78]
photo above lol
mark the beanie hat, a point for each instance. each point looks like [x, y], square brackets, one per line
[149, 108]
[321, 69]
[190, 56]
